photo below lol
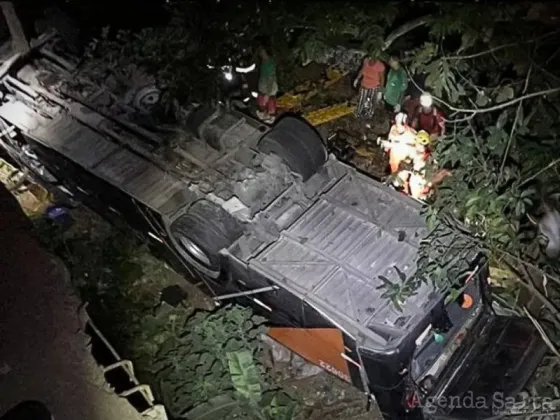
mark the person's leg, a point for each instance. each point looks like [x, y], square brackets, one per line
[271, 106]
[361, 101]
[394, 162]
[261, 104]
[419, 187]
[370, 104]
[377, 97]
[415, 186]
[405, 179]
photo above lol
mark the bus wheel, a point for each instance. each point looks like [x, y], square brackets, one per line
[298, 144]
[201, 233]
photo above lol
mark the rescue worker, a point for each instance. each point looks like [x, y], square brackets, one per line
[401, 140]
[428, 117]
[372, 78]
[412, 95]
[419, 187]
[410, 104]
[397, 83]
[268, 86]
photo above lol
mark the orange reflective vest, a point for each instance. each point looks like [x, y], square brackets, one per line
[402, 145]
[418, 184]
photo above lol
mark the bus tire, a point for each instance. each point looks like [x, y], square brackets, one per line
[298, 144]
[201, 233]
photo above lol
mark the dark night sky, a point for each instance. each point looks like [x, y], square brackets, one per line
[93, 14]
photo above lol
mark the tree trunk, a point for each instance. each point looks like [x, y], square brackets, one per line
[19, 40]
[405, 28]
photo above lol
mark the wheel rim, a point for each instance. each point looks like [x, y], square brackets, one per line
[194, 250]
[147, 98]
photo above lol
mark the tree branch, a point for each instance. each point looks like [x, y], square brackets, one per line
[404, 29]
[474, 111]
[514, 126]
[502, 105]
[19, 40]
[546, 168]
[529, 284]
[500, 47]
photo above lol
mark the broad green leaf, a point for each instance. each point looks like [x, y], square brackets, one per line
[278, 406]
[386, 282]
[505, 94]
[473, 200]
[245, 375]
[482, 99]
[520, 208]
[468, 39]
[528, 192]
[402, 276]
[502, 121]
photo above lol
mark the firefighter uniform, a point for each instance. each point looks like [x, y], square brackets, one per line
[418, 184]
[402, 138]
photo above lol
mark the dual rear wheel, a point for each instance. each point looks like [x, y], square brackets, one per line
[206, 228]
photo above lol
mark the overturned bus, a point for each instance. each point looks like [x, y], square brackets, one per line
[263, 215]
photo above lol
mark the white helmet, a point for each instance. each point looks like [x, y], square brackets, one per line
[426, 100]
[401, 118]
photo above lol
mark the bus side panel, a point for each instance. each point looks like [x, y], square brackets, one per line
[320, 346]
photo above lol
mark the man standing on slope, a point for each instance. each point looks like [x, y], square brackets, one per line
[372, 77]
[268, 86]
[397, 83]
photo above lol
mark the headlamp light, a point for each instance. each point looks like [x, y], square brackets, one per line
[247, 69]
[426, 100]
[228, 73]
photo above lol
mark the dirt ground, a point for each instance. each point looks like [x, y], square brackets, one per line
[326, 397]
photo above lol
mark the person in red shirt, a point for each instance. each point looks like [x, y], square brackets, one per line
[428, 117]
[372, 77]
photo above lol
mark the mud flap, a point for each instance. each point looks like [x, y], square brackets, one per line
[491, 372]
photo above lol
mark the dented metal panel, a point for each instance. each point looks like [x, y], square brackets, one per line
[335, 253]
[139, 177]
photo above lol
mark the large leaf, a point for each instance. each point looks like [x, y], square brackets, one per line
[504, 94]
[278, 406]
[216, 408]
[245, 375]
[482, 99]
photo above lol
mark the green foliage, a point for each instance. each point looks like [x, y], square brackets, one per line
[244, 375]
[200, 364]
[209, 365]
[400, 290]
[495, 154]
